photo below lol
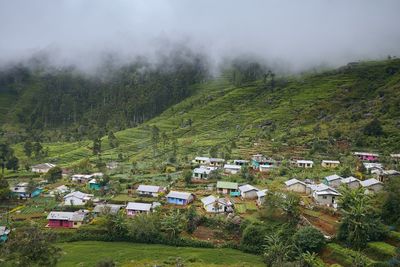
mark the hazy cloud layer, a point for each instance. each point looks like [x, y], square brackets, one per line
[300, 34]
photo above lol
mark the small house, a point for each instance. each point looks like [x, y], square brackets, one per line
[326, 197]
[373, 166]
[351, 182]
[261, 196]
[4, 232]
[77, 198]
[42, 168]
[372, 185]
[385, 175]
[364, 156]
[304, 163]
[257, 160]
[134, 208]
[101, 209]
[62, 189]
[149, 190]
[232, 168]
[266, 167]
[202, 160]
[202, 172]
[333, 180]
[94, 184]
[216, 205]
[179, 198]
[228, 188]
[330, 163]
[81, 178]
[63, 219]
[216, 162]
[248, 191]
[241, 162]
[21, 190]
[295, 185]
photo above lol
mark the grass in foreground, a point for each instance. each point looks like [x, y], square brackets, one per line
[88, 253]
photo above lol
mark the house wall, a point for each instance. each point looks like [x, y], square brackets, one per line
[176, 201]
[134, 212]
[299, 188]
[212, 209]
[76, 201]
[260, 200]
[305, 165]
[334, 183]
[60, 224]
[249, 195]
[354, 185]
[329, 165]
[374, 188]
[324, 199]
[147, 194]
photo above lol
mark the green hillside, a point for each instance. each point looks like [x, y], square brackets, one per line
[312, 115]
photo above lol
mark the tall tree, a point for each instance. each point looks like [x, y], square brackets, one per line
[28, 148]
[96, 146]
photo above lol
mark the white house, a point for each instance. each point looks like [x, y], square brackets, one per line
[304, 163]
[296, 186]
[326, 197]
[232, 168]
[217, 162]
[77, 198]
[248, 191]
[202, 172]
[202, 160]
[148, 190]
[134, 208]
[107, 209]
[333, 180]
[261, 196]
[62, 189]
[216, 205]
[371, 166]
[330, 163]
[42, 168]
[351, 182]
[372, 185]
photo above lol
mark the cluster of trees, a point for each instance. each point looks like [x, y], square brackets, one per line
[7, 158]
[150, 228]
[118, 97]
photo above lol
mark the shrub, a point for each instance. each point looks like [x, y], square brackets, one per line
[309, 239]
[253, 238]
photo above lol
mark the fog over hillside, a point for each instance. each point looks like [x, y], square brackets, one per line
[295, 34]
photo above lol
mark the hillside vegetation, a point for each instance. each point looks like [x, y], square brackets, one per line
[318, 115]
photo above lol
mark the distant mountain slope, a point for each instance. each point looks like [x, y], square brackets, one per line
[325, 114]
[66, 104]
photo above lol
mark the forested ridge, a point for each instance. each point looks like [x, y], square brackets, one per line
[68, 104]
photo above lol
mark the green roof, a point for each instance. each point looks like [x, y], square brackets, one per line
[227, 185]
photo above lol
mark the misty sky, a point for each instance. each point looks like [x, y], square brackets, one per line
[300, 34]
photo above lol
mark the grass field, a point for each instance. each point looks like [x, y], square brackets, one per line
[88, 253]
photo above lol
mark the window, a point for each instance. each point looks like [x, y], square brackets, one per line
[324, 197]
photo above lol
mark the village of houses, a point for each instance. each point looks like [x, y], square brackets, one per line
[216, 197]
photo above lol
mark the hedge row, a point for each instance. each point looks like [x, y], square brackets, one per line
[101, 235]
[380, 251]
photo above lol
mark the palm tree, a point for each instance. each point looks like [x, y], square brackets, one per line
[276, 252]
